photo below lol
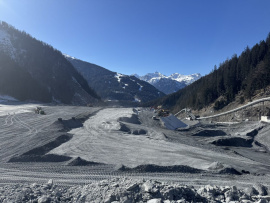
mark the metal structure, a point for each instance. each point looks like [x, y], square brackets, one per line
[238, 109]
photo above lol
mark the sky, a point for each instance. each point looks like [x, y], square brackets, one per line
[144, 36]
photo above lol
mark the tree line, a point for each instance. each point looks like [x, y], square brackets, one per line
[247, 73]
[38, 71]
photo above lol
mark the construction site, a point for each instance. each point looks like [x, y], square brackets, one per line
[68, 149]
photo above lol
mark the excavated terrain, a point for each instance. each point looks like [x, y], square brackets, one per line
[127, 157]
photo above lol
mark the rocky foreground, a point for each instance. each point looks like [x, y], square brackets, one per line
[128, 190]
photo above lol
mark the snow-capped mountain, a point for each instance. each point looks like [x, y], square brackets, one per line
[169, 84]
[187, 79]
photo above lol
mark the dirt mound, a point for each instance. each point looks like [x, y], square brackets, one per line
[125, 128]
[210, 133]
[42, 150]
[81, 162]
[216, 166]
[230, 170]
[134, 119]
[39, 154]
[152, 168]
[72, 123]
[38, 158]
[233, 142]
[139, 132]
[252, 133]
[224, 169]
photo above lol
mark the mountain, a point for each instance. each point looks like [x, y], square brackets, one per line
[112, 86]
[241, 77]
[33, 70]
[169, 84]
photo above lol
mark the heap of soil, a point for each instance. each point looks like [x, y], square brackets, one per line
[81, 162]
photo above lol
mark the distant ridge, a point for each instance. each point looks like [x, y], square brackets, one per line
[169, 84]
[115, 87]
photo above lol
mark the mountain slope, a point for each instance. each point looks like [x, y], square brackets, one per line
[243, 76]
[32, 70]
[169, 84]
[115, 86]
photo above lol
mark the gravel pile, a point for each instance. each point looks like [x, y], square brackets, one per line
[129, 190]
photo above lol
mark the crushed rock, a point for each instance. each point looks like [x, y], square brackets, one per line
[126, 190]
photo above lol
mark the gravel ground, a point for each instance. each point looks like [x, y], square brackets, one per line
[85, 158]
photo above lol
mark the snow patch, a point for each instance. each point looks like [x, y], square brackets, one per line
[118, 76]
[6, 98]
[136, 99]
[140, 88]
[125, 85]
[6, 109]
[68, 56]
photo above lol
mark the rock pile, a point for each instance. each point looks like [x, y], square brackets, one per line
[129, 190]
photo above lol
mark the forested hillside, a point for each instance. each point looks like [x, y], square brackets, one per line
[112, 86]
[33, 70]
[246, 74]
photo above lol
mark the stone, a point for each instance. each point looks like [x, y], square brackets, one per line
[44, 199]
[132, 187]
[246, 201]
[262, 201]
[110, 198]
[148, 187]
[50, 182]
[251, 191]
[154, 201]
[262, 190]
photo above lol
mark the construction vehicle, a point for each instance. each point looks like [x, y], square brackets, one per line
[163, 113]
[39, 110]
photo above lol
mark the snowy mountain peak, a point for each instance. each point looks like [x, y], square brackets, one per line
[169, 84]
[155, 74]
[188, 79]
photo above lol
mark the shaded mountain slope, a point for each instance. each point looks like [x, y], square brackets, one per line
[33, 70]
[115, 86]
[243, 76]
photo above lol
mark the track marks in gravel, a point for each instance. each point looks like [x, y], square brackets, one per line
[31, 130]
[8, 120]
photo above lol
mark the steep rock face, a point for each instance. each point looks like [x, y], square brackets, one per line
[169, 84]
[115, 86]
[33, 70]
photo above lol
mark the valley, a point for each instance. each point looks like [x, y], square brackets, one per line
[134, 101]
[118, 144]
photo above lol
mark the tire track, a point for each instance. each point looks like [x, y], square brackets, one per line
[30, 129]
[8, 119]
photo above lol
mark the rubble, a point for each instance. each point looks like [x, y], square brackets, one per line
[125, 190]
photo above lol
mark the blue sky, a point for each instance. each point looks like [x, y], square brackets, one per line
[141, 36]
